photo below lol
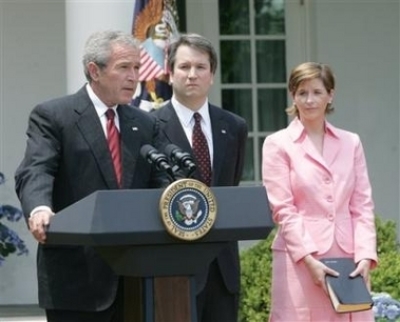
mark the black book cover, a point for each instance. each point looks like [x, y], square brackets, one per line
[347, 294]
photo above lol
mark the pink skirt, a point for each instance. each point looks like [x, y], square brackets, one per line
[295, 297]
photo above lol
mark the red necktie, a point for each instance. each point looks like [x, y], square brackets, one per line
[114, 143]
[200, 151]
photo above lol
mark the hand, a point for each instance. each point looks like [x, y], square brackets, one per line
[38, 223]
[362, 269]
[318, 270]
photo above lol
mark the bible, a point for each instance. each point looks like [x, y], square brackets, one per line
[347, 294]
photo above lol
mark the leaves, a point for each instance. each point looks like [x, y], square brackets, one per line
[11, 213]
[10, 242]
[386, 277]
[256, 281]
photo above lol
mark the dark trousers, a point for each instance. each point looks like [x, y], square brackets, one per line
[215, 303]
[112, 314]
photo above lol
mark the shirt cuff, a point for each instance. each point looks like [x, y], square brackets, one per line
[40, 208]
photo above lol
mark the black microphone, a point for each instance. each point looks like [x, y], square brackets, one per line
[154, 157]
[181, 158]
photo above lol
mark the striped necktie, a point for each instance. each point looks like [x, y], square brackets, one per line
[114, 145]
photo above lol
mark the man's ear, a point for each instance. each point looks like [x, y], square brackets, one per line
[94, 71]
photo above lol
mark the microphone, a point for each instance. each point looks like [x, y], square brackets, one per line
[158, 159]
[181, 158]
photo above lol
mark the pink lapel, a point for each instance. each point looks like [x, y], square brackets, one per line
[331, 143]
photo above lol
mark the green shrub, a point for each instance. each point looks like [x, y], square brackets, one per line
[386, 277]
[386, 236]
[256, 281]
[256, 269]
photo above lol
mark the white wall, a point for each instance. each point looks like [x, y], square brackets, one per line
[82, 19]
[32, 67]
[361, 41]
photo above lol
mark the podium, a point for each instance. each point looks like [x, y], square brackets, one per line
[125, 228]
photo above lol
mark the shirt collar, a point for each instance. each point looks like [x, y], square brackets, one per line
[100, 107]
[185, 114]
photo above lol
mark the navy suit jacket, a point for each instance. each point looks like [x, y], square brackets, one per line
[66, 159]
[229, 135]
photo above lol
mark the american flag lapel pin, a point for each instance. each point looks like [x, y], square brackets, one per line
[223, 131]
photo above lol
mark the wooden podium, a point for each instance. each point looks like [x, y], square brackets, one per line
[125, 227]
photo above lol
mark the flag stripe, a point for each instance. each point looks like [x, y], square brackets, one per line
[149, 68]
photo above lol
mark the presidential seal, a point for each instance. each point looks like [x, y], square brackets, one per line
[188, 209]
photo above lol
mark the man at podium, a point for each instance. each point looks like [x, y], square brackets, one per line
[216, 139]
[76, 145]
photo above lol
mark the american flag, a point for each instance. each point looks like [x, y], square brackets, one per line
[155, 25]
[149, 69]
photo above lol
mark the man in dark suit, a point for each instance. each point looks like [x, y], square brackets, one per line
[68, 157]
[192, 62]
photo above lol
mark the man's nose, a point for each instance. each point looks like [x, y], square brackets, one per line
[133, 74]
[192, 72]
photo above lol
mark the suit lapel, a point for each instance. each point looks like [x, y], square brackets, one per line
[90, 127]
[331, 143]
[331, 149]
[130, 141]
[312, 152]
[220, 132]
[172, 128]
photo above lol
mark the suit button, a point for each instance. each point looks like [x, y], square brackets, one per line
[327, 180]
[329, 199]
[330, 217]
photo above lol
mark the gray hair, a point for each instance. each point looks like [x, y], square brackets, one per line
[194, 41]
[99, 46]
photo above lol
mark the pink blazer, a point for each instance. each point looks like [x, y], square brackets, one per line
[316, 199]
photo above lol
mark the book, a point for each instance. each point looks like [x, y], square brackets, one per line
[347, 294]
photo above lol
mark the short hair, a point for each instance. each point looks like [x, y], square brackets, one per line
[194, 41]
[98, 47]
[308, 71]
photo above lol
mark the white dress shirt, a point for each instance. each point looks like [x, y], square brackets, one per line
[185, 116]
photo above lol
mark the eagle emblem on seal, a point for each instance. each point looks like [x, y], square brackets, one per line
[189, 211]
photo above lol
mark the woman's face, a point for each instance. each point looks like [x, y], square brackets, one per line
[312, 99]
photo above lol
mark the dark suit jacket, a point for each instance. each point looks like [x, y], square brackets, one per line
[229, 135]
[66, 159]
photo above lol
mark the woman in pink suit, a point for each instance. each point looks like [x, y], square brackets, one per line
[320, 195]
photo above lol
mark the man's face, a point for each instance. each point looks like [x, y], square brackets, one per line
[116, 83]
[191, 78]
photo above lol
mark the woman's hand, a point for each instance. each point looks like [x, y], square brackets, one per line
[318, 270]
[362, 268]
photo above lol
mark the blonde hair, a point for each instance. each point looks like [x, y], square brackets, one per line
[307, 71]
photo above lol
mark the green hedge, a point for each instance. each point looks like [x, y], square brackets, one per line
[386, 277]
[256, 269]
